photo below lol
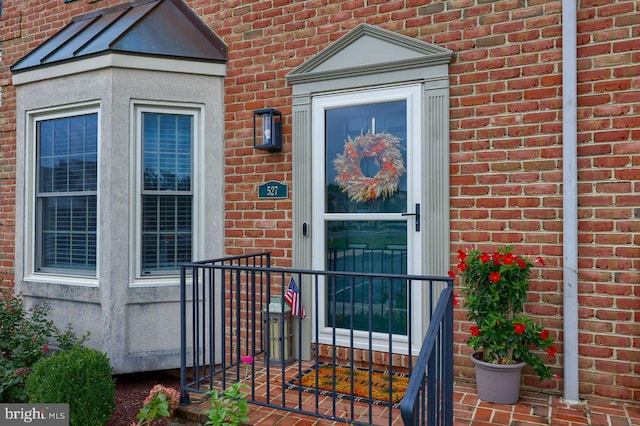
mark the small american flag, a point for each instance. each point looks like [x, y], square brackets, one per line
[292, 297]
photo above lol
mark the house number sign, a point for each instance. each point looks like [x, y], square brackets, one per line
[273, 189]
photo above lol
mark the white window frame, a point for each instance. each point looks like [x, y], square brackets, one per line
[412, 95]
[68, 277]
[138, 107]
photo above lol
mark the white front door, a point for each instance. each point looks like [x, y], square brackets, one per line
[366, 191]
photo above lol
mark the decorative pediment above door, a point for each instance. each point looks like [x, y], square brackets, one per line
[368, 50]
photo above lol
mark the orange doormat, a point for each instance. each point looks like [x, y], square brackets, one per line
[337, 380]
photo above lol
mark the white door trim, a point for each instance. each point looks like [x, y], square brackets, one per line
[412, 94]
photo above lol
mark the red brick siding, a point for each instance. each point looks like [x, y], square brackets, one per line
[506, 142]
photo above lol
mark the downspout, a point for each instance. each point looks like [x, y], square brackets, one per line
[570, 200]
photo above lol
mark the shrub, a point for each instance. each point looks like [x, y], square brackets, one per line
[80, 377]
[24, 338]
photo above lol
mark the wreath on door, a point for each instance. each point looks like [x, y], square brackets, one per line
[384, 148]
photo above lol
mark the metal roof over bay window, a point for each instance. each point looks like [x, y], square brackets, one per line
[154, 28]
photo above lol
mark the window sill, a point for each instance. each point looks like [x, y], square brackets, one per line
[72, 280]
[156, 281]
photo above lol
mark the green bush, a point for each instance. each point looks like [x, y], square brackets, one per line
[24, 338]
[80, 377]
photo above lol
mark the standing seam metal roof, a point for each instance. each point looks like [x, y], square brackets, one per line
[160, 28]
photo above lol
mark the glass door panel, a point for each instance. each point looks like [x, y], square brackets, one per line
[361, 142]
[365, 173]
[372, 247]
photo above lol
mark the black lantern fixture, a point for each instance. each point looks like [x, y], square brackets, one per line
[267, 129]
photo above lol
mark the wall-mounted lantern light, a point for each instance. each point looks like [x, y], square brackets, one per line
[267, 129]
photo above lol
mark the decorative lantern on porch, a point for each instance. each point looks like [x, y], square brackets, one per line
[267, 129]
[279, 332]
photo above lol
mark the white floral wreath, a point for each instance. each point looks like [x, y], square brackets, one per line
[384, 148]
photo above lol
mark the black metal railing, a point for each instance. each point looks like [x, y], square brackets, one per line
[429, 396]
[370, 325]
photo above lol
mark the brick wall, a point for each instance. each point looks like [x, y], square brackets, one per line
[506, 142]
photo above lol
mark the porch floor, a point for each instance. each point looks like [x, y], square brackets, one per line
[533, 408]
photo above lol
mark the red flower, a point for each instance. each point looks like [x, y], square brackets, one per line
[519, 328]
[494, 277]
[451, 274]
[521, 263]
[544, 334]
[456, 302]
[484, 258]
[462, 255]
[462, 266]
[247, 359]
[551, 351]
[540, 260]
[475, 331]
[45, 348]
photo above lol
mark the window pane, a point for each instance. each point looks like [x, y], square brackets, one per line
[167, 151]
[167, 167]
[46, 174]
[68, 154]
[68, 232]
[166, 235]
[168, 171]
[67, 168]
[45, 133]
[362, 167]
[61, 137]
[370, 247]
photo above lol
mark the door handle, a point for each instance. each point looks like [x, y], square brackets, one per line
[416, 214]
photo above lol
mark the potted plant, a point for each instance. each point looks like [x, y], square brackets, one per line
[495, 290]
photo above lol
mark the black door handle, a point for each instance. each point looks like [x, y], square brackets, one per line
[416, 214]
